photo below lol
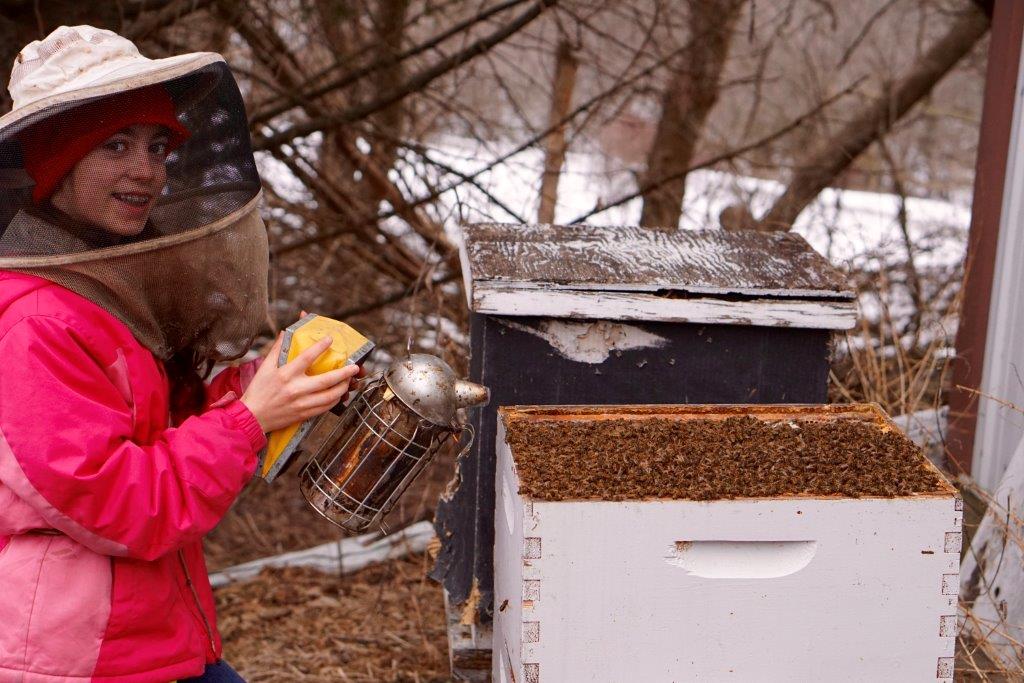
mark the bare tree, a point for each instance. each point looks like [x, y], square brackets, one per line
[566, 66]
[688, 98]
[824, 164]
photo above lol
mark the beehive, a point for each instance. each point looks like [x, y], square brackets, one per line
[619, 314]
[720, 543]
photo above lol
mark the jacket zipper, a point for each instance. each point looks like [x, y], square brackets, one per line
[199, 605]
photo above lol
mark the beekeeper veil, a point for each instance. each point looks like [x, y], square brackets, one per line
[131, 181]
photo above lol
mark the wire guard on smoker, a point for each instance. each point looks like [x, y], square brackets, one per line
[364, 460]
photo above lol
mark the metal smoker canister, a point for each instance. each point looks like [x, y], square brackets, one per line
[365, 459]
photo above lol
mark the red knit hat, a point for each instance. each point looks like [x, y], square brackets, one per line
[53, 146]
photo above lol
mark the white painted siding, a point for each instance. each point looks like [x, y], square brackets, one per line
[999, 427]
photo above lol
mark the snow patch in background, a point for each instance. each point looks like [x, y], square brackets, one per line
[856, 230]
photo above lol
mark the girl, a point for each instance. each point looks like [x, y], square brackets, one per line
[132, 257]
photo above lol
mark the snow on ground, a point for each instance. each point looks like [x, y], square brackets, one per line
[844, 225]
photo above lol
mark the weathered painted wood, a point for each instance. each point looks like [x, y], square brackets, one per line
[781, 589]
[993, 570]
[631, 258]
[469, 646]
[560, 303]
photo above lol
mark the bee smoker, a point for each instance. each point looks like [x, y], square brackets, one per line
[364, 458]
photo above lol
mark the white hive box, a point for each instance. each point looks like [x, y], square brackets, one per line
[611, 583]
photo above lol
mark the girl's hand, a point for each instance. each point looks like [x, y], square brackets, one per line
[359, 375]
[286, 395]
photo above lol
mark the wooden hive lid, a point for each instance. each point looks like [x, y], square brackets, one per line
[631, 273]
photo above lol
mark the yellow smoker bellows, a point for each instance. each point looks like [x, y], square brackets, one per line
[347, 347]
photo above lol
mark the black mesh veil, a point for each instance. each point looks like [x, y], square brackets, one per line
[195, 277]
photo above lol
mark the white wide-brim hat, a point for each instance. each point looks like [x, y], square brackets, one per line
[77, 63]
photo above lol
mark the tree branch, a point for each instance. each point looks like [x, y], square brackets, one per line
[533, 140]
[825, 163]
[393, 298]
[725, 156]
[424, 154]
[274, 108]
[910, 269]
[152, 20]
[413, 84]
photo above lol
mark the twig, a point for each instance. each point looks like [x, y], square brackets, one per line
[393, 298]
[153, 20]
[270, 110]
[1000, 401]
[718, 158]
[864, 31]
[413, 84]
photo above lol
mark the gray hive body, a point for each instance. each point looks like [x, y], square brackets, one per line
[625, 315]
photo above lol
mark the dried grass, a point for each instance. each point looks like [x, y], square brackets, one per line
[879, 364]
[985, 651]
[384, 624]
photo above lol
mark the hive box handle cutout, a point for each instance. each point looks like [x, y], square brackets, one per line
[741, 559]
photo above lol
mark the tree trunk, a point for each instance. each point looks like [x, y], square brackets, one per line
[823, 165]
[566, 66]
[390, 121]
[341, 161]
[691, 93]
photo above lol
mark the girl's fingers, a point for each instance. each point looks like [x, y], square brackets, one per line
[299, 364]
[322, 400]
[326, 380]
[275, 350]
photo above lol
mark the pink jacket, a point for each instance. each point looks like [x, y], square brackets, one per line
[103, 505]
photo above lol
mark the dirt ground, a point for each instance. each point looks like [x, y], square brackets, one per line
[384, 624]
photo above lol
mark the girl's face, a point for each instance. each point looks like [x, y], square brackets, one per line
[115, 185]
